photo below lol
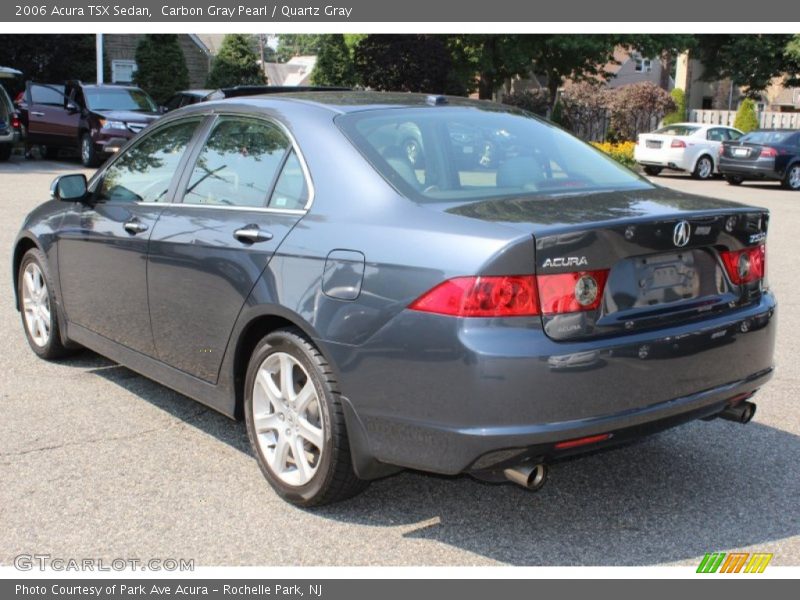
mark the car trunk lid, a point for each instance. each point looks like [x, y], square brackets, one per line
[657, 252]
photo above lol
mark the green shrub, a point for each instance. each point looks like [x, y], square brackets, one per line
[679, 114]
[746, 118]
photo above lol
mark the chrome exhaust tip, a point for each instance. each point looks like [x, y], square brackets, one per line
[531, 476]
[740, 413]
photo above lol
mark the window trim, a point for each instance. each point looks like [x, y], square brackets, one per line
[293, 146]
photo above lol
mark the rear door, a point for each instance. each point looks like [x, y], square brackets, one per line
[244, 190]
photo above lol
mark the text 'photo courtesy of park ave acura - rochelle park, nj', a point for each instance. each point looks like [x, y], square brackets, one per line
[398, 299]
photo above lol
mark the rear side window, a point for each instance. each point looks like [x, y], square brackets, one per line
[716, 135]
[50, 95]
[144, 172]
[239, 164]
[291, 189]
[453, 154]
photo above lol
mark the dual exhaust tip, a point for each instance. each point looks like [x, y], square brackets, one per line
[532, 475]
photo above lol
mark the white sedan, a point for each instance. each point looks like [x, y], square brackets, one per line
[691, 147]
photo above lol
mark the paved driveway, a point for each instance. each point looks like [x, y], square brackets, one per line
[96, 461]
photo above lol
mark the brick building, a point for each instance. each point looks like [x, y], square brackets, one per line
[120, 51]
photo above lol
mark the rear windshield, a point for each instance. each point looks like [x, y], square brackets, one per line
[456, 154]
[119, 99]
[767, 137]
[676, 130]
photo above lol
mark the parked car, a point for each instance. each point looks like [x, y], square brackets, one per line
[188, 97]
[691, 147]
[362, 315]
[96, 120]
[764, 154]
[10, 126]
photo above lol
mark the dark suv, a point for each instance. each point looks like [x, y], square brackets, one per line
[9, 119]
[95, 119]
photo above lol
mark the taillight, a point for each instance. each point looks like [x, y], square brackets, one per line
[515, 296]
[745, 266]
[571, 292]
[15, 124]
[678, 144]
[510, 296]
[768, 152]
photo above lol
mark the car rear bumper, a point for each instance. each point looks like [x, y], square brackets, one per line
[506, 391]
[761, 168]
[668, 158]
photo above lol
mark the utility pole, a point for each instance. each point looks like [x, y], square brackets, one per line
[99, 53]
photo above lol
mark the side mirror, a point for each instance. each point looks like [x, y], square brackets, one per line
[69, 188]
[163, 109]
[72, 107]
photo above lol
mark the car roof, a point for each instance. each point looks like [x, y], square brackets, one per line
[348, 102]
[9, 73]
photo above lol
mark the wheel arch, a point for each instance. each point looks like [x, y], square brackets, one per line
[25, 243]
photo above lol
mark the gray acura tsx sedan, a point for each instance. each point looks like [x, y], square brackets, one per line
[379, 281]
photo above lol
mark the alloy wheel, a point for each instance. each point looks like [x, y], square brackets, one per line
[794, 177]
[36, 304]
[704, 168]
[86, 150]
[287, 418]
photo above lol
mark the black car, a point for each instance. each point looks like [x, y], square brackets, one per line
[9, 119]
[771, 154]
[96, 120]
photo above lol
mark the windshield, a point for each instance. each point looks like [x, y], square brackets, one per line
[677, 130]
[766, 137]
[461, 154]
[119, 99]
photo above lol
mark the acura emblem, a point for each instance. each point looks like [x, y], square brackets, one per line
[681, 234]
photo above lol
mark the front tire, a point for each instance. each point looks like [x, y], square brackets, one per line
[89, 156]
[652, 171]
[791, 180]
[295, 422]
[38, 307]
[704, 168]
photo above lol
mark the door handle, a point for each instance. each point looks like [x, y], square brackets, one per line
[251, 234]
[36, 113]
[134, 226]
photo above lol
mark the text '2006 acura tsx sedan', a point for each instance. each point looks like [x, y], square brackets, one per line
[383, 281]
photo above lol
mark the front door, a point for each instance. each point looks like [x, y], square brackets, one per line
[244, 192]
[50, 122]
[102, 252]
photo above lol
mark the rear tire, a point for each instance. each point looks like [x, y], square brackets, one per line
[38, 307]
[653, 171]
[5, 151]
[299, 440]
[734, 179]
[791, 181]
[704, 168]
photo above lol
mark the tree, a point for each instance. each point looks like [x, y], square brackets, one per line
[746, 119]
[535, 101]
[750, 60]
[298, 44]
[585, 108]
[405, 63]
[48, 58]
[157, 55]
[636, 107]
[334, 64]
[679, 114]
[235, 64]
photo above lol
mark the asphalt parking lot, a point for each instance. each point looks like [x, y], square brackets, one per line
[96, 461]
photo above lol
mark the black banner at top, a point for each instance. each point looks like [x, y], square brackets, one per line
[366, 11]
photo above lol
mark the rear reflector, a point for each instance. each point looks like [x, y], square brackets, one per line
[510, 296]
[584, 441]
[745, 266]
[571, 292]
